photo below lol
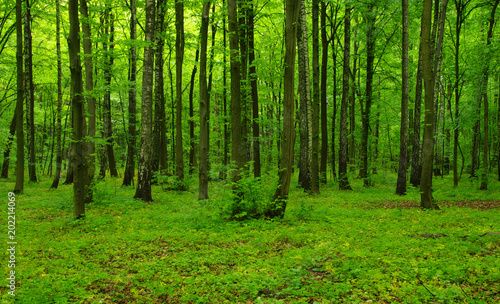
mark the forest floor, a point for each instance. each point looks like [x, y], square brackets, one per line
[363, 246]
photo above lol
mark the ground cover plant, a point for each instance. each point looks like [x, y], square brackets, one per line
[363, 246]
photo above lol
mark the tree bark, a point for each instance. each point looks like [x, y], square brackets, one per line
[426, 198]
[143, 190]
[403, 141]
[305, 160]
[179, 58]
[292, 8]
[30, 93]
[128, 177]
[89, 87]
[204, 109]
[19, 187]
[343, 180]
[192, 144]
[159, 141]
[79, 146]
[108, 71]
[255, 95]
[324, 87]
[237, 149]
[370, 57]
[315, 99]
[58, 130]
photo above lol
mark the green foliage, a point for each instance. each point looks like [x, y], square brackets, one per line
[353, 247]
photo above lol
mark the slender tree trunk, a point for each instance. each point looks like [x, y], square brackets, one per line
[79, 146]
[243, 38]
[237, 150]
[403, 141]
[128, 177]
[108, 71]
[370, 57]
[179, 58]
[30, 93]
[305, 160]
[315, 99]
[223, 172]
[204, 109]
[343, 156]
[58, 130]
[324, 87]
[89, 87]
[159, 147]
[255, 95]
[19, 187]
[426, 198]
[143, 190]
[292, 8]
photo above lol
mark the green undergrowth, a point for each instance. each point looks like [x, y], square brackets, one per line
[356, 246]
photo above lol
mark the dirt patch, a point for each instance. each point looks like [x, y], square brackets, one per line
[477, 204]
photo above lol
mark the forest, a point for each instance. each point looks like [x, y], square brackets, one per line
[250, 151]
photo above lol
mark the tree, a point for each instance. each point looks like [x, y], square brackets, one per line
[204, 109]
[323, 84]
[55, 183]
[426, 198]
[108, 47]
[237, 148]
[255, 94]
[79, 147]
[292, 8]
[143, 190]
[179, 57]
[343, 180]
[305, 160]
[128, 177]
[30, 93]
[403, 146]
[370, 58]
[89, 87]
[315, 100]
[19, 187]
[159, 140]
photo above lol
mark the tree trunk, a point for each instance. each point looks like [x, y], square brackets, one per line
[324, 87]
[237, 150]
[143, 190]
[255, 95]
[403, 141]
[179, 58]
[426, 199]
[159, 144]
[58, 130]
[343, 180]
[292, 8]
[370, 57]
[305, 159]
[78, 161]
[128, 177]
[19, 187]
[204, 109]
[108, 71]
[416, 161]
[315, 99]
[89, 87]
[30, 94]
[223, 172]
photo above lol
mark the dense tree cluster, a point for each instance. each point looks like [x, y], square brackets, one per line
[325, 87]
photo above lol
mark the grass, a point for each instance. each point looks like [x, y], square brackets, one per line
[362, 246]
